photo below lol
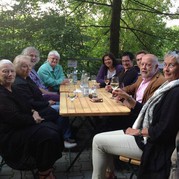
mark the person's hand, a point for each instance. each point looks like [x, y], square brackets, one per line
[65, 81]
[120, 93]
[51, 102]
[108, 88]
[37, 117]
[131, 131]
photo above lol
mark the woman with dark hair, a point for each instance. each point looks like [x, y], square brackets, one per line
[110, 68]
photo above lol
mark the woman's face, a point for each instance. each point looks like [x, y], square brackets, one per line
[53, 60]
[24, 69]
[108, 62]
[171, 68]
[34, 57]
[7, 74]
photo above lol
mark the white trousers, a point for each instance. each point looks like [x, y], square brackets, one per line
[107, 144]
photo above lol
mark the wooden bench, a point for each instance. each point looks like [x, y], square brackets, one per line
[133, 164]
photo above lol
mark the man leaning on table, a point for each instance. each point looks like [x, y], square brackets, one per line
[146, 84]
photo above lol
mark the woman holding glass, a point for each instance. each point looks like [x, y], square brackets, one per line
[109, 68]
[152, 137]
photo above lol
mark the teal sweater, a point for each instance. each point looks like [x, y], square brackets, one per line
[52, 78]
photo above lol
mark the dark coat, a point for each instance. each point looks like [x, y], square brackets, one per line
[129, 77]
[29, 90]
[156, 158]
[19, 134]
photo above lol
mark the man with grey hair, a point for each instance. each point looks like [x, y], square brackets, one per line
[147, 83]
[51, 73]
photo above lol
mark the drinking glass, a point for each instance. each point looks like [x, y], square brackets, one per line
[114, 84]
[93, 79]
[72, 96]
[87, 75]
[69, 76]
[106, 79]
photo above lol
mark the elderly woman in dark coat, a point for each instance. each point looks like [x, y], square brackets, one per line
[152, 137]
[25, 137]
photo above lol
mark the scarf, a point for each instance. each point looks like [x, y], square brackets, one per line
[145, 116]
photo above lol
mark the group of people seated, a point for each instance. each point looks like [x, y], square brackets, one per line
[150, 136]
[31, 128]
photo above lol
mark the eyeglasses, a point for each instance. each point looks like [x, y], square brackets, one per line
[170, 65]
[138, 59]
[175, 52]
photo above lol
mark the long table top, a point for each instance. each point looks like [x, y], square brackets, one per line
[82, 106]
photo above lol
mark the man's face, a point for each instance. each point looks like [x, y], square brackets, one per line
[139, 58]
[148, 66]
[53, 60]
[126, 62]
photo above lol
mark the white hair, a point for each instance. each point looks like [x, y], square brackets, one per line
[174, 54]
[5, 61]
[54, 52]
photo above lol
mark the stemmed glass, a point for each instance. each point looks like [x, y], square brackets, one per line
[114, 83]
[69, 76]
[106, 79]
[72, 95]
[87, 75]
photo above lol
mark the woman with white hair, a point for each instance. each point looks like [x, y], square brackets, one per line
[51, 73]
[152, 137]
[34, 55]
[25, 139]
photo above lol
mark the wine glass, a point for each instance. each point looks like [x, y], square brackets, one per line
[72, 95]
[106, 79]
[69, 76]
[87, 75]
[114, 83]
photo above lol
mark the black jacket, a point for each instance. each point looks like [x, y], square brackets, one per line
[156, 158]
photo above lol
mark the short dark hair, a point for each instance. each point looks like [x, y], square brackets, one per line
[112, 57]
[129, 54]
[142, 51]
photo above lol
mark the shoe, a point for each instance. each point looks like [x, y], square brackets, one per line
[70, 140]
[69, 145]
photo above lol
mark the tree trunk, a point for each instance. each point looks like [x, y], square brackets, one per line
[115, 27]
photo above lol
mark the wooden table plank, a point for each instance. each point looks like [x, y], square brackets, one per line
[82, 106]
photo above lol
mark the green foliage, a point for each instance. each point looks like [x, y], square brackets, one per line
[80, 29]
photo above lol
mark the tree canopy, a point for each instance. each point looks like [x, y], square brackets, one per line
[86, 29]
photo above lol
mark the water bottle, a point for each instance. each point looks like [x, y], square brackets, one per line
[85, 86]
[75, 78]
[82, 79]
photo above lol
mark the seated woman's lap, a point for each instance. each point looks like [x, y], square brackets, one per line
[118, 143]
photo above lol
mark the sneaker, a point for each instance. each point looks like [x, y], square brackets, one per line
[70, 140]
[69, 145]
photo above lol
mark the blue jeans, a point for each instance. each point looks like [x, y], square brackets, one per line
[64, 125]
